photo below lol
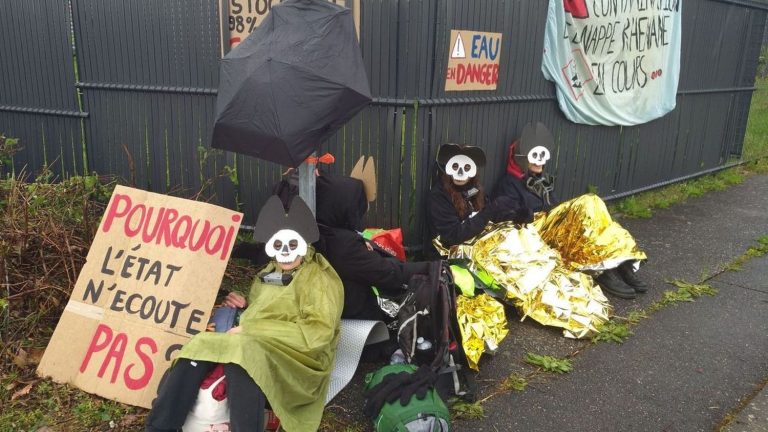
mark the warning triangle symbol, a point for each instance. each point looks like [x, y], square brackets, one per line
[458, 48]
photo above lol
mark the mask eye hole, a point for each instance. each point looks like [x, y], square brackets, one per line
[293, 244]
[277, 244]
[467, 167]
[455, 166]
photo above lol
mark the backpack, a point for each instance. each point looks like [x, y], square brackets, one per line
[428, 331]
[420, 415]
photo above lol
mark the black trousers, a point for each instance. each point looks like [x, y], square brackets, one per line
[178, 391]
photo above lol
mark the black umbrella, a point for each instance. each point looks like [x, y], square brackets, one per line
[291, 84]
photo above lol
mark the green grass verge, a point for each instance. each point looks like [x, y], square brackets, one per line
[755, 152]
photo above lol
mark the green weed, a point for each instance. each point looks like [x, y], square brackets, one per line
[686, 292]
[514, 382]
[753, 252]
[548, 363]
[635, 316]
[612, 331]
[467, 411]
[631, 207]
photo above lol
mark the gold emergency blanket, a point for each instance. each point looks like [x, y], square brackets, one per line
[535, 279]
[585, 235]
[483, 325]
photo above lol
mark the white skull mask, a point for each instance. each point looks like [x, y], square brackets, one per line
[461, 167]
[285, 246]
[538, 155]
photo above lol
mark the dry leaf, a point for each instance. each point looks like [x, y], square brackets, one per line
[35, 355]
[25, 391]
[10, 386]
[129, 419]
[20, 359]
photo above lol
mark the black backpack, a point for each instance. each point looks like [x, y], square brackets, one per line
[428, 331]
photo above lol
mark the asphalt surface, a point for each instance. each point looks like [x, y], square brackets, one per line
[687, 367]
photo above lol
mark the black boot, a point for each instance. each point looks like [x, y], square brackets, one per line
[627, 274]
[611, 283]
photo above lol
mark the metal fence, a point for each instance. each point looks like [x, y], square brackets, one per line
[128, 88]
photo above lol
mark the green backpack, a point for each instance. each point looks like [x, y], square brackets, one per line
[420, 415]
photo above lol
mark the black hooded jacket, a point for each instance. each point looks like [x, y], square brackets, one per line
[521, 197]
[341, 204]
[446, 222]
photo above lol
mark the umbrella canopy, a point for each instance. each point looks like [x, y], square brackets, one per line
[291, 84]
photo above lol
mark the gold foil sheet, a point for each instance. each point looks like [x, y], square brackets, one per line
[483, 325]
[535, 279]
[586, 237]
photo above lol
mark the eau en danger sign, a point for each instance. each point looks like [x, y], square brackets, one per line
[473, 62]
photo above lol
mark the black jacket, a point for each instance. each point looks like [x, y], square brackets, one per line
[341, 204]
[446, 222]
[521, 197]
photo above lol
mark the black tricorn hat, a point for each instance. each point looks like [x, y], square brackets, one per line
[447, 151]
[272, 218]
[535, 135]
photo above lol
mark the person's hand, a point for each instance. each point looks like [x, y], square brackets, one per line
[369, 246]
[235, 330]
[235, 300]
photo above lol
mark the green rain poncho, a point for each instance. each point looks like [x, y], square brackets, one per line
[288, 341]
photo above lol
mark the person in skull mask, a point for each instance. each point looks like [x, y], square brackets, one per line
[580, 229]
[458, 209]
[284, 348]
[341, 204]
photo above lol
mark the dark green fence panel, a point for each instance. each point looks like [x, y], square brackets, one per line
[147, 72]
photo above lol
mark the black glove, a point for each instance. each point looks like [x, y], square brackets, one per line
[421, 381]
[383, 392]
[523, 215]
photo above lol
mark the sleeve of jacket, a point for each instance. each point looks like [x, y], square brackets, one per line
[372, 269]
[508, 187]
[447, 223]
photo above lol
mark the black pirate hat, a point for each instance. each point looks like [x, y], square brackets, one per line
[535, 135]
[272, 218]
[447, 151]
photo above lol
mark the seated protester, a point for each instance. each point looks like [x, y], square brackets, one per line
[284, 348]
[581, 229]
[513, 260]
[341, 204]
[458, 210]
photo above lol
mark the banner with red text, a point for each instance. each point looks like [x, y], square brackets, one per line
[613, 62]
[241, 17]
[473, 62]
[148, 285]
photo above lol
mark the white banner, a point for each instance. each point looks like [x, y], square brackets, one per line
[613, 62]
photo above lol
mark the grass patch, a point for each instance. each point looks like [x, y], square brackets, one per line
[612, 331]
[686, 292]
[514, 382]
[461, 410]
[635, 316]
[549, 363]
[332, 422]
[753, 252]
[642, 205]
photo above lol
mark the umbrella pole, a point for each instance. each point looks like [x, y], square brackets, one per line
[307, 183]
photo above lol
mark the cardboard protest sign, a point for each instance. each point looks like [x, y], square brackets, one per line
[148, 285]
[241, 17]
[473, 62]
[613, 62]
